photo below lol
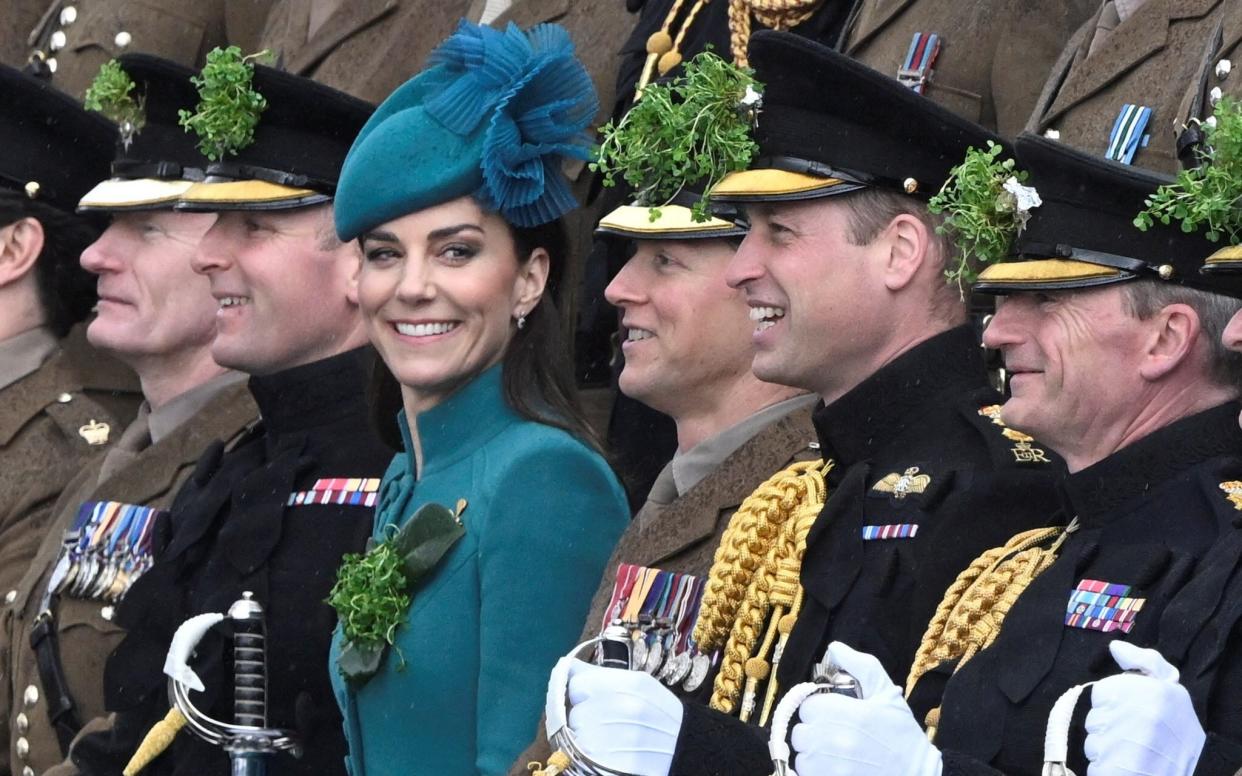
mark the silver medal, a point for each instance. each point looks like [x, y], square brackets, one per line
[699, 666]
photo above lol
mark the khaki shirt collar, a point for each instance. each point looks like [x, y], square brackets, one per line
[23, 354]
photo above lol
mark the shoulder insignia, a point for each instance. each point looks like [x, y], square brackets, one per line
[1233, 492]
[355, 491]
[95, 433]
[1023, 451]
[902, 485]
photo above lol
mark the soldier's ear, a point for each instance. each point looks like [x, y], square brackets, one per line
[21, 242]
[907, 243]
[1172, 334]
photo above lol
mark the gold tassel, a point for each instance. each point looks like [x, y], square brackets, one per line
[158, 738]
[558, 763]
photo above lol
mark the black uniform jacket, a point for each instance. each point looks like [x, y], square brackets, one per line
[1148, 515]
[233, 530]
[877, 595]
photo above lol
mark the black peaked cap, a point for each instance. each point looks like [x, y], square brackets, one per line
[826, 116]
[162, 148]
[53, 150]
[1083, 234]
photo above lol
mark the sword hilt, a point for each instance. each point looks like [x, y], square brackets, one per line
[249, 663]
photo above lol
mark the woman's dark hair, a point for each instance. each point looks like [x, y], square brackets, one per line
[537, 367]
[66, 291]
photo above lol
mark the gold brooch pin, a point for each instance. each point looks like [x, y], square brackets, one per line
[902, 485]
[95, 433]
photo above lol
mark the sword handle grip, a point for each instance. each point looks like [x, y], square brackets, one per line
[249, 663]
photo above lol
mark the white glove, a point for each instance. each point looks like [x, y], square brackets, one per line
[624, 720]
[1142, 723]
[876, 735]
[182, 647]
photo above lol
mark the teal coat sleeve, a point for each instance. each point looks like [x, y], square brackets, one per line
[557, 510]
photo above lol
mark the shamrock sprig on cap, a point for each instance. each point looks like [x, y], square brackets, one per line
[985, 205]
[695, 127]
[229, 107]
[111, 95]
[1210, 195]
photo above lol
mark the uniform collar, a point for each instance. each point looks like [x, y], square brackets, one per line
[879, 408]
[465, 421]
[313, 394]
[1129, 474]
[22, 354]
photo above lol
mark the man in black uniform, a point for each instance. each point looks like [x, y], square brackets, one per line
[274, 514]
[1113, 340]
[844, 272]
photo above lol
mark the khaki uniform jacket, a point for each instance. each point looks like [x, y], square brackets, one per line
[366, 47]
[84, 628]
[683, 535]
[81, 35]
[994, 53]
[21, 16]
[41, 447]
[1220, 68]
[1150, 59]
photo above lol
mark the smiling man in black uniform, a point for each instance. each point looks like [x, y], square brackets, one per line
[844, 272]
[1113, 338]
[274, 514]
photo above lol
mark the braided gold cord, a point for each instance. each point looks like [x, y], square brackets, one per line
[776, 14]
[751, 532]
[974, 607]
[774, 583]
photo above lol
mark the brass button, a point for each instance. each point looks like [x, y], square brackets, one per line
[28, 771]
[58, 41]
[51, 64]
[1052, 134]
[123, 39]
[65, 398]
[1222, 69]
[23, 723]
[23, 748]
[106, 613]
[10, 596]
[68, 15]
[1215, 95]
[31, 697]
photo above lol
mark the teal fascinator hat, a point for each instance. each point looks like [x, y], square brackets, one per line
[493, 116]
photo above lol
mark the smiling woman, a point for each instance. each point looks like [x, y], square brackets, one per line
[461, 250]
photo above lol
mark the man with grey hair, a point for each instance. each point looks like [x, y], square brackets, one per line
[1112, 338]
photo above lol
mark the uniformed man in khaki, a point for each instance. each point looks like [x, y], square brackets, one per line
[72, 38]
[366, 48]
[158, 316]
[1118, 88]
[60, 403]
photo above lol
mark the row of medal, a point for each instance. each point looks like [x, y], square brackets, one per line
[658, 609]
[108, 547]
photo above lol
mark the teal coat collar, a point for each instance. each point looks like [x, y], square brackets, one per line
[461, 424]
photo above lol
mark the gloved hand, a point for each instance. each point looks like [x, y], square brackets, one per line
[1142, 723]
[876, 735]
[625, 720]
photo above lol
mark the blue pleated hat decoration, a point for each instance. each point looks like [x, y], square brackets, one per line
[493, 116]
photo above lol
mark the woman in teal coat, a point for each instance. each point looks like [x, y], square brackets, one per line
[494, 523]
